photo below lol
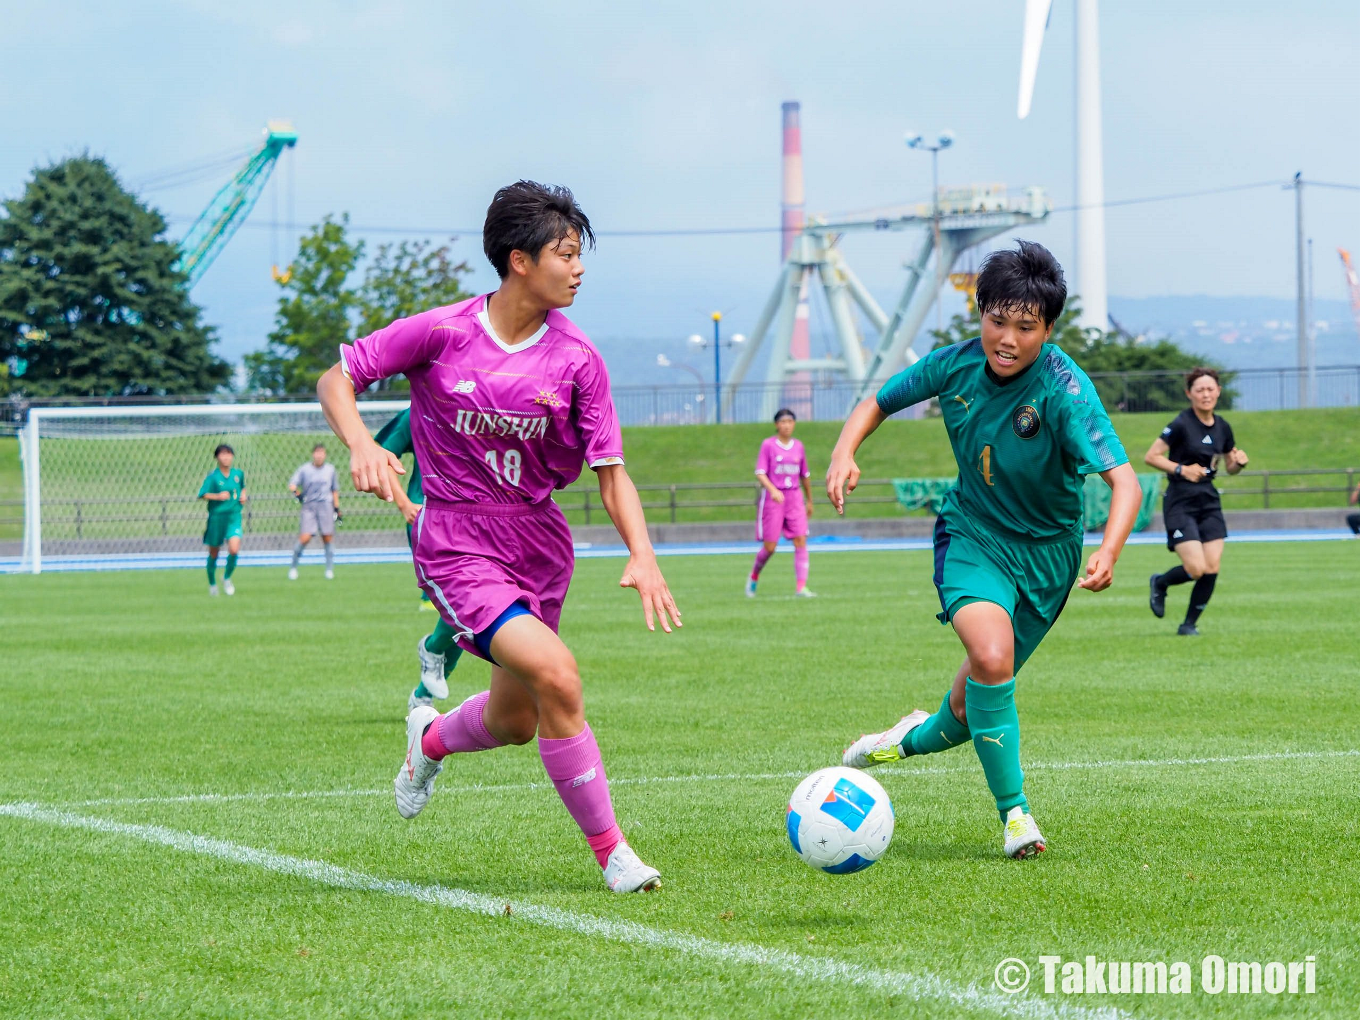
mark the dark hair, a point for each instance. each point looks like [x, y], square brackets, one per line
[527, 216]
[318, 446]
[784, 412]
[1026, 279]
[220, 447]
[1201, 370]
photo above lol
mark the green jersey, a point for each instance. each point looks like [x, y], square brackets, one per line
[395, 437]
[232, 482]
[1024, 444]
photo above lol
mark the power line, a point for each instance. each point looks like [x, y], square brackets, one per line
[715, 231]
[1330, 184]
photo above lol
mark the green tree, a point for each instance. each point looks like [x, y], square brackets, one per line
[1128, 374]
[320, 309]
[90, 301]
[315, 314]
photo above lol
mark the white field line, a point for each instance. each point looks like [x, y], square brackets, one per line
[919, 987]
[713, 777]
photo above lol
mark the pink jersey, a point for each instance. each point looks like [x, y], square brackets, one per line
[783, 465]
[492, 423]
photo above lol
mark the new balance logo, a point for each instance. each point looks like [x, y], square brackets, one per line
[992, 740]
[582, 779]
[464, 386]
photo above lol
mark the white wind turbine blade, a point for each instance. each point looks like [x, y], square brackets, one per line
[1036, 21]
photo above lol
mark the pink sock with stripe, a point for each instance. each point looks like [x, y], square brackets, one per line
[800, 567]
[762, 558]
[459, 731]
[574, 766]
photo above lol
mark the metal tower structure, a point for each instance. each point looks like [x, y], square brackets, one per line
[232, 204]
[966, 216]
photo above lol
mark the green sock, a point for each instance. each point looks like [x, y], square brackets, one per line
[421, 691]
[996, 738]
[938, 733]
[231, 565]
[451, 658]
[212, 569]
[441, 640]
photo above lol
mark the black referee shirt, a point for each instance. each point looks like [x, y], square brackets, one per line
[1193, 442]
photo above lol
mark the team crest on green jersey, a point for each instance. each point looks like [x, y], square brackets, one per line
[1025, 421]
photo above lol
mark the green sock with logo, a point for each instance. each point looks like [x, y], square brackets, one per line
[938, 733]
[995, 726]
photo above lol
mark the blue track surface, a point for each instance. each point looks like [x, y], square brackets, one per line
[399, 554]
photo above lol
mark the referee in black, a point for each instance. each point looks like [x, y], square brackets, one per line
[1190, 450]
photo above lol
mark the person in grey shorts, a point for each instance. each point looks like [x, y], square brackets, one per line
[318, 490]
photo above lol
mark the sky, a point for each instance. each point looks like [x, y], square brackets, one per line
[666, 115]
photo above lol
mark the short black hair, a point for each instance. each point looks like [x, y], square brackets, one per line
[318, 446]
[1027, 278]
[784, 412]
[527, 216]
[220, 447]
[1199, 371]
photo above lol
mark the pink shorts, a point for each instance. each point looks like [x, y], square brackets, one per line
[788, 517]
[475, 560]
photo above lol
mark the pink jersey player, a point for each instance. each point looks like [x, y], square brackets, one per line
[785, 502]
[509, 401]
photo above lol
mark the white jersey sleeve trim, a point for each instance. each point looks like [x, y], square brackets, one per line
[344, 366]
[605, 462]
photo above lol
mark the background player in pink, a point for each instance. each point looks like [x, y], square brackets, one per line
[508, 401]
[785, 503]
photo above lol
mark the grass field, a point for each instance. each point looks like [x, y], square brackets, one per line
[197, 817]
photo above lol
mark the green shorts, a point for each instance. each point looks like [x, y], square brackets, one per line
[1030, 580]
[222, 528]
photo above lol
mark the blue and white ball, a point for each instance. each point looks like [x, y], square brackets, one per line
[840, 820]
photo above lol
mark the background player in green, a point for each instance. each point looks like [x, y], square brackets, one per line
[438, 652]
[224, 490]
[1026, 426]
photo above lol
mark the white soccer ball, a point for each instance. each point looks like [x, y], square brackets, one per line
[840, 820]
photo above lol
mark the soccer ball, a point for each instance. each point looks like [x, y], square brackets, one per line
[839, 820]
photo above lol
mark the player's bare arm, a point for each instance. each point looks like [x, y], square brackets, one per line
[370, 466]
[770, 487]
[807, 494]
[1236, 461]
[621, 502]
[1156, 457]
[1126, 495]
[843, 474]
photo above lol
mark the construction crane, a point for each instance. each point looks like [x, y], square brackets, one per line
[232, 204]
[1352, 285]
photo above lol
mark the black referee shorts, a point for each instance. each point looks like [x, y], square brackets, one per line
[1198, 518]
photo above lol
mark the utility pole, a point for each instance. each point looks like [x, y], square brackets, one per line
[1302, 294]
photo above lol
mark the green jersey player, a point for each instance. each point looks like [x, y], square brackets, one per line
[438, 652]
[1026, 427]
[224, 490]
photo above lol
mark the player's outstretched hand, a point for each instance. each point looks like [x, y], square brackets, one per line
[1099, 572]
[841, 477]
[644, 575]
[368, 467]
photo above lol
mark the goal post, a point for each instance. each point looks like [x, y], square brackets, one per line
[123, 481]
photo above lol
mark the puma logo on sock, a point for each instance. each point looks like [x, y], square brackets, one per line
[994, 740]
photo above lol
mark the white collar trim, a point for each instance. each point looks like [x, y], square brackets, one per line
[779, 443]
[485, 320]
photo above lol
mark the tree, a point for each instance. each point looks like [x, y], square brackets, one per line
[315, 313]
[90, 301]
[1128, 374]
[320, 310]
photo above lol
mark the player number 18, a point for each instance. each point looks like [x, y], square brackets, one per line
[509, 471]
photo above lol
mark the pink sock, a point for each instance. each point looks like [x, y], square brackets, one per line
[459, 730]
[800, 567]
[762, 558]
[573, 764]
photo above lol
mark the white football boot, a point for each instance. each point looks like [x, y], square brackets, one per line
[432, 671]
[878, 748]
[413, 702]
[625, 872]
[1023, 838]
[415, 778]
[228, 587]
[805, 593]
[212, 589]
[330, 574]
[292, 573]
[750, 587]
